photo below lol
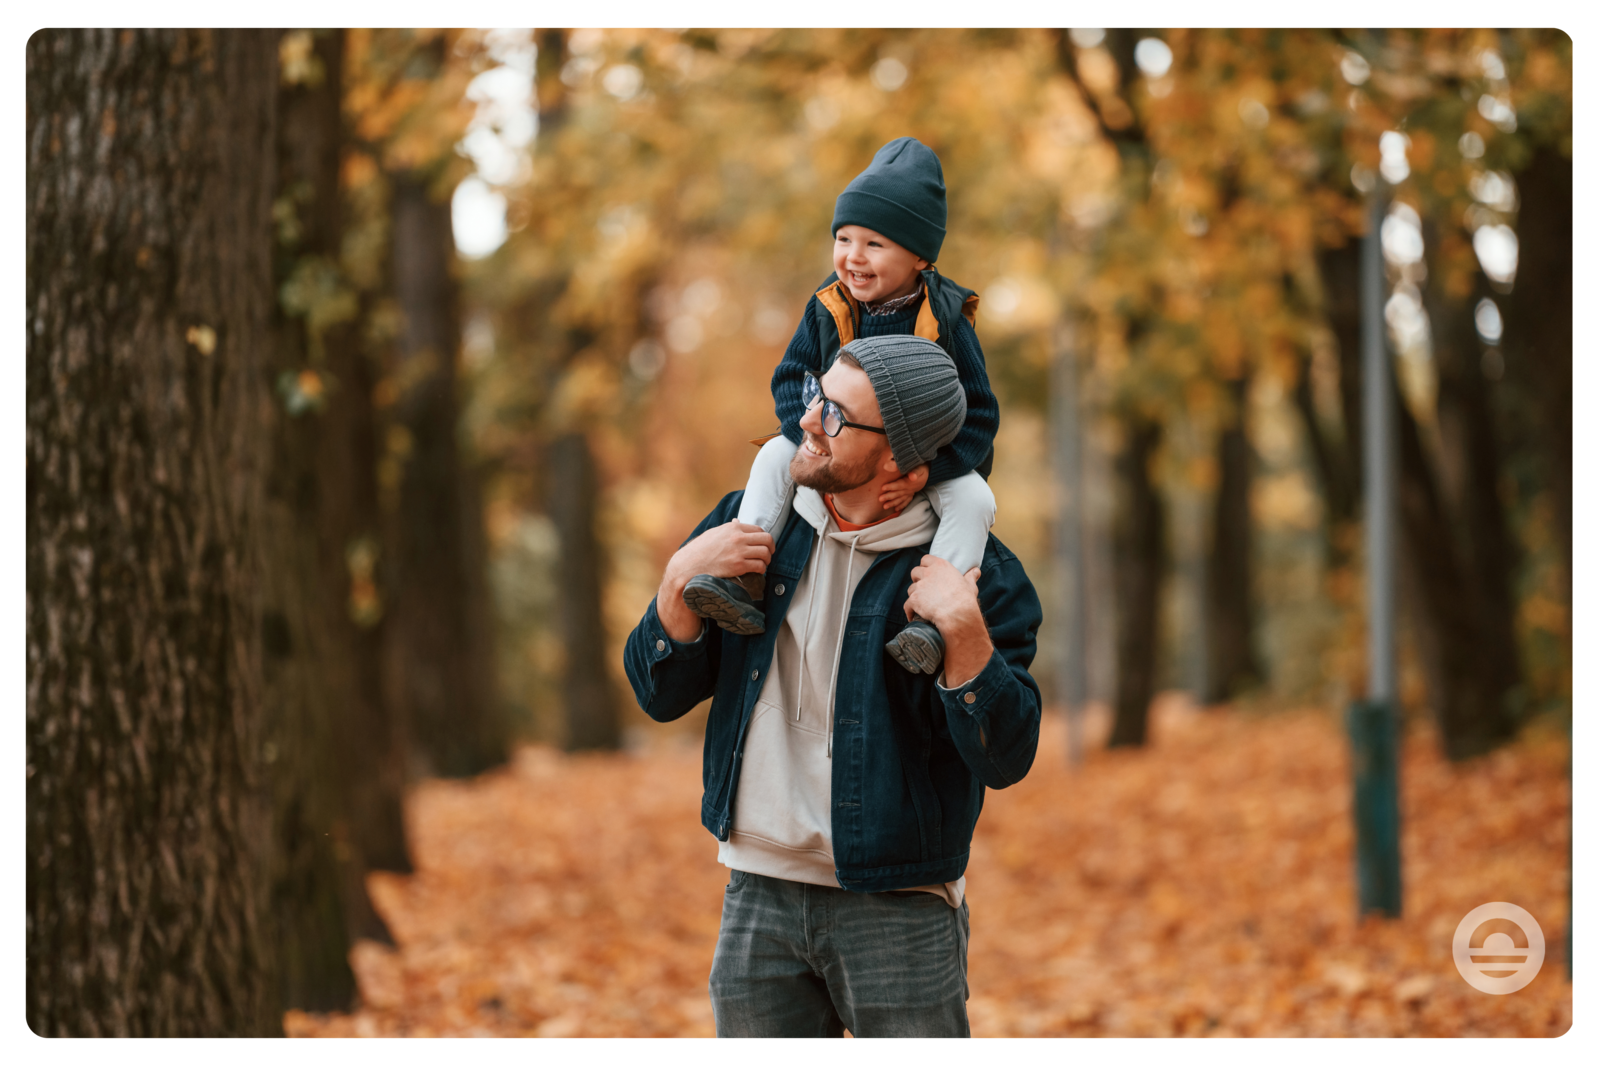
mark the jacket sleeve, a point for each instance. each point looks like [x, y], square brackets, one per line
[804, 353]
[976, 439]
[670, 677]
[994, 718]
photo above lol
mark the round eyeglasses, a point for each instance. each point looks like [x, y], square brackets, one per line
[833, 419]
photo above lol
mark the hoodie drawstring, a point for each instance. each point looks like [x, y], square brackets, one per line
[838, 651]
[805, 638]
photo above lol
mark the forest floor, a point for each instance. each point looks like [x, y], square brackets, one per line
[1202, 885]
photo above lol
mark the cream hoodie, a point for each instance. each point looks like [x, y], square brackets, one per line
[782, 825]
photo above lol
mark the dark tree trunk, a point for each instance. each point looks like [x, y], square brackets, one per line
[441, 679]
[1471, 480]
[1330, 459]
[1438, 593]
[591, 706]
[1139, 558]
[1440, 597]
[1340, 270]
[1538, 319]
[1229, 607]
[337, 764]
[150, 183]
[338, 448]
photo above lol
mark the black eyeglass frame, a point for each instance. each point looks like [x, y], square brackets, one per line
[829, 408]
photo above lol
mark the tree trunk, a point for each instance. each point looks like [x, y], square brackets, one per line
[1139, 558]
[150, 184]
[338, 768]
[1441, 599]
[1330, 458]
[1229, 613]
[1471, 480]
[1538, 319]
[446, 693]
[1438, 594]
[1340, 270]
[338, 449]
[591, 705]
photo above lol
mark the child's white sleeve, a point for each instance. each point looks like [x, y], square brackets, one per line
[770, 488]
[965, 506]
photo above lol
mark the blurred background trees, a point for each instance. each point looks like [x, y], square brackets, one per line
[360, 427]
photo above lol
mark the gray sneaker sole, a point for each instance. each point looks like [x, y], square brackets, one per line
[707, 604]
[915, 653]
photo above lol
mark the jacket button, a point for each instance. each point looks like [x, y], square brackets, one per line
[661, 645]
[754, 674]
[971, 697]
[778, 590]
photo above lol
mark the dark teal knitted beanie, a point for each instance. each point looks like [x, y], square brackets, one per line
[900, 195]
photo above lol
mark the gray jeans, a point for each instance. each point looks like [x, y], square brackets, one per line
[804, 960]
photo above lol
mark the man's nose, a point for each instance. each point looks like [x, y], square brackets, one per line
[811, 421]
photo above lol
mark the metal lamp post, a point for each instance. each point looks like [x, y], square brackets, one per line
[1372, 723]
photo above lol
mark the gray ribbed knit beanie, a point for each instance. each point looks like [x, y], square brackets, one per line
[900, 195]
[919, 394]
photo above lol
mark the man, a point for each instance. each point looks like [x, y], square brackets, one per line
[843, 794]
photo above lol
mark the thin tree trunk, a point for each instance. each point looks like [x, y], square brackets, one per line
[1229, 608]
[1471, 479]
[441, 680]
[591, 705]
[1437, 593]
[1340, 270]
[1139, 561]
[339, 442]
[150, 183]
[337, 764]
[1538, 318]
[1440, 597]
[1331, 461]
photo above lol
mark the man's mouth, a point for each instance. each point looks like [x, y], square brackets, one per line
[811, 448]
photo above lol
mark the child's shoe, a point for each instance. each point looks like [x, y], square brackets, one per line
[918, 647]
[731, 602]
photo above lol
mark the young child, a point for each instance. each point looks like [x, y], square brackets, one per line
[888, 226]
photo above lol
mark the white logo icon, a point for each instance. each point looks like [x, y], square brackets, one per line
[1498, 948]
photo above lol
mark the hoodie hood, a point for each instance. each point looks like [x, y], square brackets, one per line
[912, 526]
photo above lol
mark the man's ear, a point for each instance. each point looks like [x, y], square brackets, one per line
[889, 465]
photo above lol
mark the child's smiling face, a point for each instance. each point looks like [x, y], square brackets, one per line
[873, 267]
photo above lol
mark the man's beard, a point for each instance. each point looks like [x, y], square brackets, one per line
[831, 476]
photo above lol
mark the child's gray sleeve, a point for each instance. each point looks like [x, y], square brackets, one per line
[965, 506]
[770, 488]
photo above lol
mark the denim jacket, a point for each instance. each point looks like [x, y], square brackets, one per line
[910, 760]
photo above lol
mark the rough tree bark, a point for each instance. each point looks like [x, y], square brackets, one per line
[149, 185]
[590, 699]
[1229, 606]
[443, 683]
[1139, 559]
[1538, 317]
